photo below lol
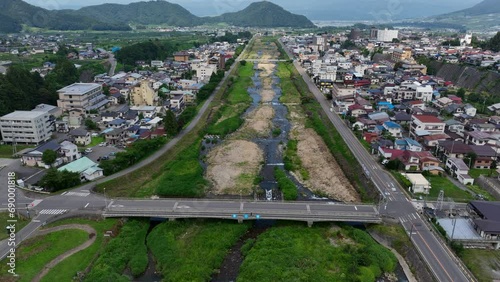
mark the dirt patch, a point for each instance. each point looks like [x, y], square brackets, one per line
[258, 123]
[233, 167]
[325, 175]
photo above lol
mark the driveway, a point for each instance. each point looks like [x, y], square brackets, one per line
[98, 152]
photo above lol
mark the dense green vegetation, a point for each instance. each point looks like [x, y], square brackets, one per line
[320, 253]
[21, 13]
[482, 263]
[137, 152]
[286, 185]
[292, 160]
[66, 269]
[192, 250]
[494, 43]
[55, 180]
[127, 250]
[149, 50]
[35, 253]
[183, 176]
[263, 14]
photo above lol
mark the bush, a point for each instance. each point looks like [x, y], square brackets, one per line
[286, 185]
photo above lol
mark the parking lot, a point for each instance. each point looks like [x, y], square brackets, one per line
[99, 152]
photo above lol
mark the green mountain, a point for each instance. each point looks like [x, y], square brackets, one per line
[154, 12]
[483, 8]
[263, 14]
[13, 13]
[484, 16]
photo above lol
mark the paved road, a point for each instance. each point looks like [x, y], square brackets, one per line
[239, 210]
[112, 61]
[443, 264]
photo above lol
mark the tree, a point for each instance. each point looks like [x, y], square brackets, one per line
[49, 157]
[461, 93]
[55, 180]
[170, 123]
[470, 159]
[91, 125]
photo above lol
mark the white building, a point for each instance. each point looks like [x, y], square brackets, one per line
[30, 127]
[70, 152]
[387, 35]
[419, 184]
[424, 93]
[204, 71]
[83, 96]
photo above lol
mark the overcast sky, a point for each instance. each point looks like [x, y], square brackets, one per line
[313, 9]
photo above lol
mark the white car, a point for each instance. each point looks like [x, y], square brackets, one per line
[95, 134]
[88, 150]
[103, 144]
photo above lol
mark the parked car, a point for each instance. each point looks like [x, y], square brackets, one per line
[88, 150]
[103, 144]
[95, 134]
[103, 158]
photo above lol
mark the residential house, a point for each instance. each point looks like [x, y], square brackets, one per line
[34, 157]
[365, 124]
[80, 136]
[115, 136]
[393, 128]
[485, 155]
[476, 137]
[408, 144]
[379, 117]
[69, 152]
[453, 149]
[145, 111]
[177, 102]
[433, 140]
[459, 170]
[419, 184]
[356, 110]
[453, 125]
[426, 125]
[87, 169]
[144, 94]
[117, 123]
[470, 110]
[486, 219]
[107, 117]
[401, 118]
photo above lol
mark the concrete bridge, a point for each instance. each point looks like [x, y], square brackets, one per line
[309, 212]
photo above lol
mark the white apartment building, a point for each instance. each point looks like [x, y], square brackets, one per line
[82, 96]
[204, 71]
[387, 35]
[30, 127]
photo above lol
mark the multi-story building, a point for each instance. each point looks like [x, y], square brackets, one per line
[387, 35]
[30, 127]
[204, 71]
[144, 94]
[82, 96]
[426, 125]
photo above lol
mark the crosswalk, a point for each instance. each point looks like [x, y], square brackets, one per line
[79, 194]
[52, 211]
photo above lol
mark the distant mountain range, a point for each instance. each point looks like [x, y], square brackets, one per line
[15, 13]
[484, 16]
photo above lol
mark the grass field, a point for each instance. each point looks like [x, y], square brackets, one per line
[475, 173]
[290, 92]
[95, 141]
[36, 252]
[66, 269]
[192, 250]
[4, 216]
[450, 190]
[484, 264]
[6, 150]
[322, 253]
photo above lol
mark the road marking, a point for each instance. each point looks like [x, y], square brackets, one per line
[241, 206]
[35, 203]
[64, 193]
[356, 208]
[308, 209]
[414, 216]
[87, 205]
[175, 206]
[79, 194]
[36, 220]
[438, 261]
[52, 211]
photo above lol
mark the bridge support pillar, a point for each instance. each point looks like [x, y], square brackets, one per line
[171, 219]
[310, 223]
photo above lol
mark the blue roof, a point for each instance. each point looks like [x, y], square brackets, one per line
[412, 142]
[391, 124]
[380, 127]
[400, 142]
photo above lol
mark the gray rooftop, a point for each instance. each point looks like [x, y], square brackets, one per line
[79, 88]
[23, 115]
